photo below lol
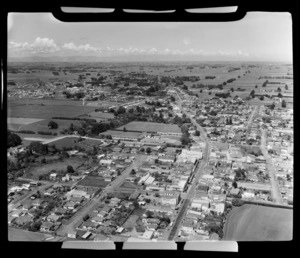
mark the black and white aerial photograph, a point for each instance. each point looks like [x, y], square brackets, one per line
[129, 131]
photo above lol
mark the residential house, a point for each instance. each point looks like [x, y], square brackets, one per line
[72, 234]
[53, 218]
[53, 176]
[97, 219]
[70, 205]
[22, 220]
[46, 226]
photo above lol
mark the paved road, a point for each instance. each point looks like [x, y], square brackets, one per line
[47, 141]
[276, 195]
[91, 205]
[250, 120]
[201, 166]
[41, 188]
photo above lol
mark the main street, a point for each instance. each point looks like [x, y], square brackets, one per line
[250, 120]
[199, 170]
[276, 195]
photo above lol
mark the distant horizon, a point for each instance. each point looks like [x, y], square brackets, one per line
[259, 36]
[151, 61]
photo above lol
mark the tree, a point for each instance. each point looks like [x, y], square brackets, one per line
[70, 169]
[279, 89]
[197, 133]
[71, 127]
[149, 214]
[121, 110]
[237, 202]
[124, 129]
[283, 104]
[279, 95]
[136, 204]
[38, 147]
[185, 140]
[201, 91]
[252, 93]
[172, 98]
[256, 86]
[35, 226]
[13, 140]
[234, 184]
[148, 150]
[86, 217]
[52, 125]
[232, 90]
[261, 98]
[286, 87]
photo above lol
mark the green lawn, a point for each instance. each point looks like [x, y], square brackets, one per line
[259, 223]
[36, 171]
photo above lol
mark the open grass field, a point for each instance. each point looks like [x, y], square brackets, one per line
[259, 223]
[24, 235]
[93, 181]
[35, 172]
[45, 111]
[22, 121]
[131, 221]
[255, 186]
[41, 124]
[68, 142]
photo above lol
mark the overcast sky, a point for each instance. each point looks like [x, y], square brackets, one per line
[257, 37]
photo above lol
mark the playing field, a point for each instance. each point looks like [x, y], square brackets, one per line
[259, 223]
[151, 127]
[93, 181]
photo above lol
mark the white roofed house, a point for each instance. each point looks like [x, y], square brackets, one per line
[105, 162]
[171, 201]
[143, 179]
[78, 193]
[149, 180]
[167, 159]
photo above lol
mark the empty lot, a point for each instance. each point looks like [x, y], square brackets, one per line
[259, 223]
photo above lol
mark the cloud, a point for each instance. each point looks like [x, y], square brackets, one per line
[186, 41]
[39, 45]
[80, 48]
[47, 46]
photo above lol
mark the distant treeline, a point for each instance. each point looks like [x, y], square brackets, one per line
[222, 95]
[233, 69]
[275, 77]
[46, 133]
[23, 131]
[231, 80]
[210, 77]
[74, 118]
